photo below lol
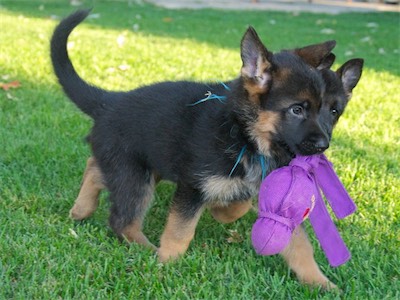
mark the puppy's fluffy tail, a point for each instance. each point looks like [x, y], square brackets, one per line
[91, 100]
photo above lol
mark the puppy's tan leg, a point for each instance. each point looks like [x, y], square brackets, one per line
[177, 235]
[87, 200]
[299, 255]
[133, 232]
[232, 212]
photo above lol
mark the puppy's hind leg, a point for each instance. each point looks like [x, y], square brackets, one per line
[182, 221]
[131, 191]
[88, 198]
[299, 255]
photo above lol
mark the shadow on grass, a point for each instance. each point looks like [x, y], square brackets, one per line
[358, 35]
[367, 150]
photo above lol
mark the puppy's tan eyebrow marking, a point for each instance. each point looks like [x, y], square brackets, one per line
[310, 99]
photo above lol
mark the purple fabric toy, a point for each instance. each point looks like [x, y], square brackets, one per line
[289, 195]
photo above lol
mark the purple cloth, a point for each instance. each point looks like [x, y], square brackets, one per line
[291, 194]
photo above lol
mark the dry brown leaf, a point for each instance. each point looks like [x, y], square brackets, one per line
[235, 237]
[8, 85]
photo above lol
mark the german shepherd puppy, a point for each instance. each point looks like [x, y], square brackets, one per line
[217, 148]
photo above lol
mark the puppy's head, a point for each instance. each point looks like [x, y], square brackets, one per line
[291, 101]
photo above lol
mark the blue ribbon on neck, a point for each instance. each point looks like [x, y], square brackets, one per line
[261, 158]
[211, 96]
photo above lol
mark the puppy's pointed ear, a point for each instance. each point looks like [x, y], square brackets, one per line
[327, 62]
[317, 55]
[350, 73]
[256, 69]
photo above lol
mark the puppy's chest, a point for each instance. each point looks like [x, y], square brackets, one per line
[222, 190]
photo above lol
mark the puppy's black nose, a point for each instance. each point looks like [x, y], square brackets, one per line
[321, 144]
[317, 138]
[314, 145]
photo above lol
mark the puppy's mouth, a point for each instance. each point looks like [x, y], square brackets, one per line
[287, 149]
[311, 147]
[302, 149]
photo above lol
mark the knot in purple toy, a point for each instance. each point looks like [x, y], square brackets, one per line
[307, 163]
[291, 194]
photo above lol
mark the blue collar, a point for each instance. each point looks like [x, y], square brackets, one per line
[262, 159]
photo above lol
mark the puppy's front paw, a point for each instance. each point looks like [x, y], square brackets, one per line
[79, 212]
[167, 254]
[329, 286]
[319, 281]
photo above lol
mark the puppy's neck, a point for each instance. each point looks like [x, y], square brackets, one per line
[236, 122]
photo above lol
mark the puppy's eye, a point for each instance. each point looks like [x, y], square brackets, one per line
[334, 112]
[297, 110]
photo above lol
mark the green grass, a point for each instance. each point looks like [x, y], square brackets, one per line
[45, 255]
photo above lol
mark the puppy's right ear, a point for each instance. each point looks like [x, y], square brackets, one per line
[327, 62]
[317, 55]
[256, 68]
[350, 73]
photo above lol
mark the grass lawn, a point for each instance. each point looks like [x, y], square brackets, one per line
[45, 255]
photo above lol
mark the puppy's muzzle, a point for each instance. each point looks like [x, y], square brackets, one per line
[314, 145]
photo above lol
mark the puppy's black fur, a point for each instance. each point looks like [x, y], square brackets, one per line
[217, 151]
